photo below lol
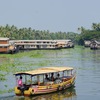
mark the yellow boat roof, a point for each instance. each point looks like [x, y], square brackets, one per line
[45, 70]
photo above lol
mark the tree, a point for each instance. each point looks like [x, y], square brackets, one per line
[96, 26]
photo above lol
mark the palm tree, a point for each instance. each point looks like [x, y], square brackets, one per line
[81, 29]
[94, 26]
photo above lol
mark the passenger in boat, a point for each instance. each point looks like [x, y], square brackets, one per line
[58, 76]
[21, 87]
[58, 80]
[46, 78]
[20, 83]
[52, 76]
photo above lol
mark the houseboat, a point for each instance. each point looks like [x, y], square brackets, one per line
[65, 43]
[44, 80]
[94, 44]
[36, 44]
[87, 43]
[6, 46]
[43, 44]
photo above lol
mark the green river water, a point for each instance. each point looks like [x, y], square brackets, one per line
[85, 61]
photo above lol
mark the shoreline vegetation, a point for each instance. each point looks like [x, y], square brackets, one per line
[14, 33]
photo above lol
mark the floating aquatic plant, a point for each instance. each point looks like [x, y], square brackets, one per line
[2, 77]
[6, 91]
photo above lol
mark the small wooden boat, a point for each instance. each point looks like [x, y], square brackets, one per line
[44, 80]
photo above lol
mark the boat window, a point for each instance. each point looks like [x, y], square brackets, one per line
[41, 77]
[44, 46]
[34, 80]
[69, 73]
[60, 74]
[28, 80]
[44, 42]
[23, 78]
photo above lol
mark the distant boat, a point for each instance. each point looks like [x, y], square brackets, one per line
[6, 46]
[95, 44]
[44, 80]
[87, 43]
[43, 44]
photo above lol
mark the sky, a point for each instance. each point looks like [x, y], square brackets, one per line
[52, 15]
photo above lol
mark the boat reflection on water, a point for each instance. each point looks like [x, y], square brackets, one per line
[68, 94]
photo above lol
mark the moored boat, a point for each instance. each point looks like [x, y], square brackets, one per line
[44, 80]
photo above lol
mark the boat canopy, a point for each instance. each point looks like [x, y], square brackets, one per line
[44, 70]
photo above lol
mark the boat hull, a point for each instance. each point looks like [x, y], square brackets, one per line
[36, 90]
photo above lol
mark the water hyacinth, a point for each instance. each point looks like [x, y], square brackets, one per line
[11, 63]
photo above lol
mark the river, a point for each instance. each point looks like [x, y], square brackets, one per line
[85, 61]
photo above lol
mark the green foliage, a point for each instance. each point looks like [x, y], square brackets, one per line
[13, 32]
[87, 34]
[34, 54]
[2, 77]
[14, 63]
[6, 91]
